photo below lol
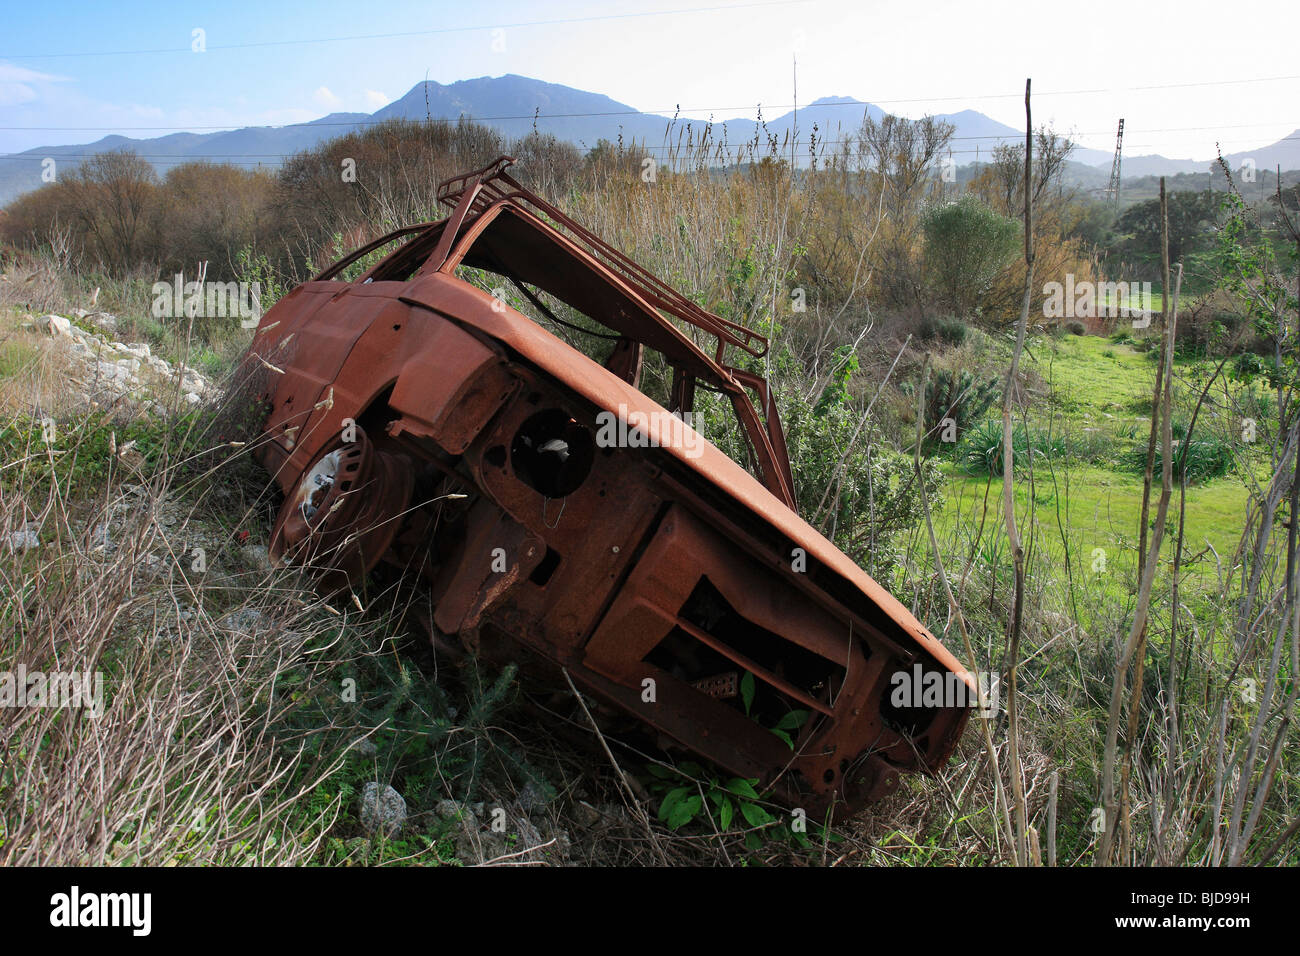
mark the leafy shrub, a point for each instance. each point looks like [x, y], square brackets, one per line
[1248, 367]
[253, 267]
[836, 392]
[861, 495]
[1255, 403]
[959, 394]
[689, 794]
[1075, 327]
[952, 331]
[967, 244]
[1201, 459]
[863, 498]
[983, 446]
[80, 455]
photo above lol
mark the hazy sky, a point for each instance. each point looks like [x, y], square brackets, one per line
[1183, 74]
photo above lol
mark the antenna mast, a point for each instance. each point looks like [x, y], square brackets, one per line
[1112, 191]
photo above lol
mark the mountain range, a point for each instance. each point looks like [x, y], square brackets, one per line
[515, 105]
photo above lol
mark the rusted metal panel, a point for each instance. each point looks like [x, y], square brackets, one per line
[419, 421]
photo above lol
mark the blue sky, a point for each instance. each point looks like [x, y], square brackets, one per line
[707, 55]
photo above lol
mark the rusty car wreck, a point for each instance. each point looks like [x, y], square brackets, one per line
[419, 421]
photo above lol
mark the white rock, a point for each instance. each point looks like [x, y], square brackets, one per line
[257, 556]
[530, 797]
[382, 808]
[53, 324]
[103, 320]
[23, 540]
[110, 372]
[246, 620]
[101, 539]
[455, 810]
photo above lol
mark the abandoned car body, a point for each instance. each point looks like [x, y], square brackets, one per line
[419, 420]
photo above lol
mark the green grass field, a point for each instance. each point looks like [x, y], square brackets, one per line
[1086, 503]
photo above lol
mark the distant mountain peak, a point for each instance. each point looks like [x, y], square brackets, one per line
[515, 105]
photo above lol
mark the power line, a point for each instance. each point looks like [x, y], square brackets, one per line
[659, 113]
[411, 33]
[256, 159]
[664, 112]
[530, 116]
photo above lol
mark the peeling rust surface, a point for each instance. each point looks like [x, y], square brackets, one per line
[419, 422]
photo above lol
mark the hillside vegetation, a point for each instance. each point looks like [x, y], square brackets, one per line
[249, 719]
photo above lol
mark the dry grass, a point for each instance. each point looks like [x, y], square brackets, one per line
[202, 662]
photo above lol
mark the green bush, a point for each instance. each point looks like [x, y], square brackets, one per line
[967, 244]
[948, 330]
[1255, 403]
[1201, 459]
[1248, 367]
[871, 494]
[982, 452]
[862, 495]
[79, 455]
[959, 394]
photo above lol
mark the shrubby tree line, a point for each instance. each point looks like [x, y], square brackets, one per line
[116, 213]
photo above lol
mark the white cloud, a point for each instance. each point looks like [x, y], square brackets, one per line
[18, 84]
[11, 94]
[324, 97]
[143, 112]
[376, 100]
[10, 73]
